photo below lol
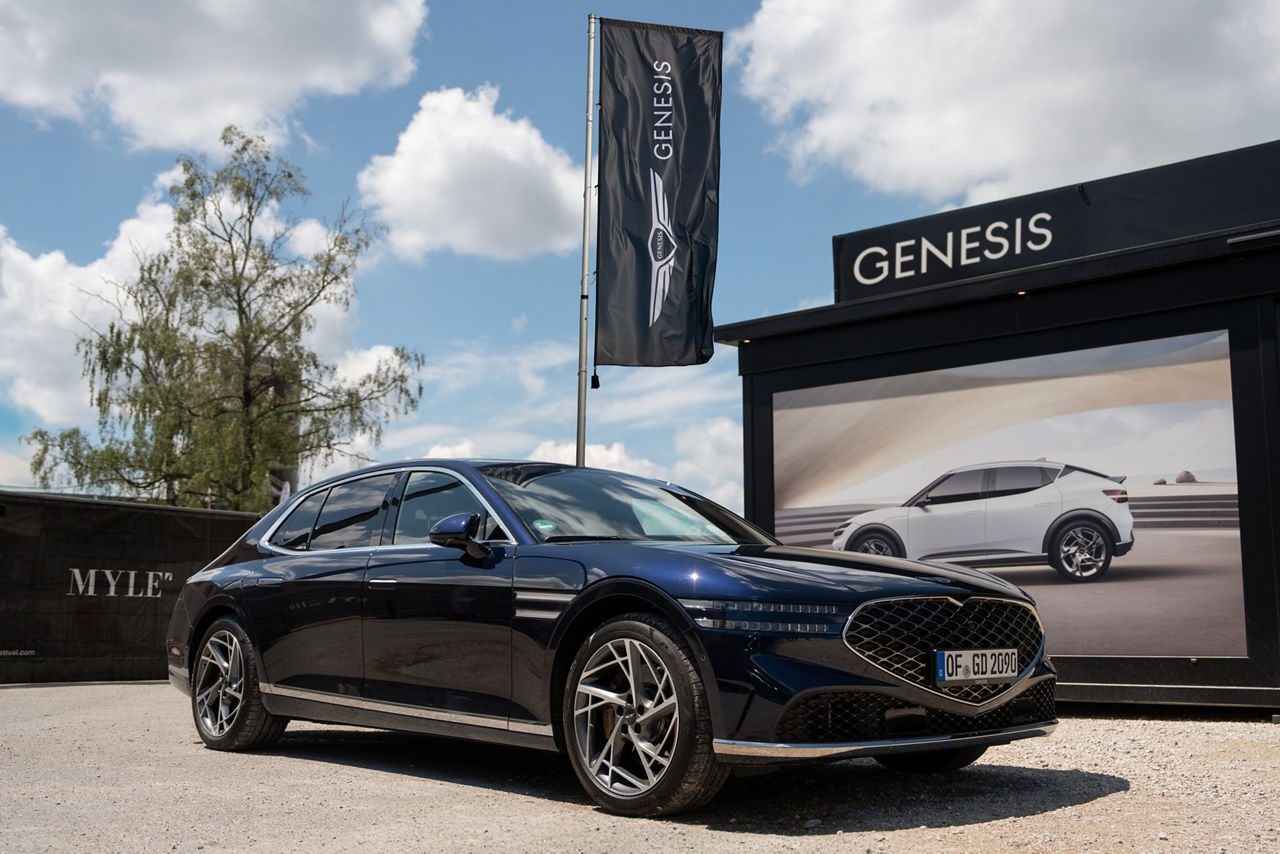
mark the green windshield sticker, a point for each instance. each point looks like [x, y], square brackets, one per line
[544, 524]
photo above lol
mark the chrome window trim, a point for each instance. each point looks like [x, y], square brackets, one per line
[303, 496]
[406, 710]
[991, 702]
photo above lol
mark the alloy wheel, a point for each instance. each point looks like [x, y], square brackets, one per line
[626, 717]
[219, 684]
[1082, 551]
[875, 546]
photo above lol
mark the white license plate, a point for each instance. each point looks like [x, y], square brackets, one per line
[957, 666]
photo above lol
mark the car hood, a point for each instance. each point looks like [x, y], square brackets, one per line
[798, 574]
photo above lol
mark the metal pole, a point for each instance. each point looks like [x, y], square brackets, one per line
[586, 238]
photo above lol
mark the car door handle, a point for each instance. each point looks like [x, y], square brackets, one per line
[383, 583]
[270, 582]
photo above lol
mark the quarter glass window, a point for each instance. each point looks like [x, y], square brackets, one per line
[1010, 480]
[352, 517]
[295, 532]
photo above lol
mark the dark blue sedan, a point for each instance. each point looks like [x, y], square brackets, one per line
[655, 637]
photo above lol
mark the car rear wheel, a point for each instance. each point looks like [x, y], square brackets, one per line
[1081, 551]
[875, 543]
[932, 761]
[636, 720]
[225, 700]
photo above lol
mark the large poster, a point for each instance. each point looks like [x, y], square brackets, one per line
[1102, 481]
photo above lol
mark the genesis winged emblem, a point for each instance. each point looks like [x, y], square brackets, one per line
[662, 249]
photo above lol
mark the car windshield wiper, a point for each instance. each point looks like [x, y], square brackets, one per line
[577, 538]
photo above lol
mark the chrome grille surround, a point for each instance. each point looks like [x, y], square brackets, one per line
[898, 636]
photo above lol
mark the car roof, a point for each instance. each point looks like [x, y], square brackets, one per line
[460, 465]
[1007, 463]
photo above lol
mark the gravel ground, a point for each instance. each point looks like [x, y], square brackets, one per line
[120, 768]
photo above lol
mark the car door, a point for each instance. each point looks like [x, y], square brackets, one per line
[307, 605]
[1021, 505]
[948, 520]
[437, 623]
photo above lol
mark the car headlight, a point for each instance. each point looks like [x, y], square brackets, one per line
[781, 617]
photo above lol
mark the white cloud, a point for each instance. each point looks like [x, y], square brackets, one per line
[654, 396]
[613, 457]
[519, 324]
[173, 74]
[462, 450]
[475, 181]
[710, 460]
[14, 470]
[469, 367]
[989, 98]
[45, 302]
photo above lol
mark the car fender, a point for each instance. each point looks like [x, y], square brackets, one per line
[222, 602]
[1075, 515]
[587, 608]
[877, 528]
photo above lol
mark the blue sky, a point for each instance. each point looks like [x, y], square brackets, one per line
[460, 126]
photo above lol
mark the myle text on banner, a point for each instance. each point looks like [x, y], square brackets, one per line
[659, 193]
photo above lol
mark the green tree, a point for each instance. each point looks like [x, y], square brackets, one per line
[205, 388]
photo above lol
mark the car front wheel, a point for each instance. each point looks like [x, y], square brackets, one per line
[225, 700]
[875, 543]
[636, 721]
[1081, 551]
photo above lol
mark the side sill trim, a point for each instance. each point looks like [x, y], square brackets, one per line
[762, 751]
[405, 710]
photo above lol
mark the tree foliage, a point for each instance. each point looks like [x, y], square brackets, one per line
[204, 383]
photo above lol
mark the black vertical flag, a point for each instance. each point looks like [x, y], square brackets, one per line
[659, 193]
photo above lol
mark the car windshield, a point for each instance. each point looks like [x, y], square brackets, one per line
[564, 503]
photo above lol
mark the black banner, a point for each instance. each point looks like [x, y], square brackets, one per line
[659, 193]
[89, 585]
[1195, 197]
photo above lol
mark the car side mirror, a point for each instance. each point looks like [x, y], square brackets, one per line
[459, 532]
[923, 502]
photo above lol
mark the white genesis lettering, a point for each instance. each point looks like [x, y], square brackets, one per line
[663, 109]
[959, 248]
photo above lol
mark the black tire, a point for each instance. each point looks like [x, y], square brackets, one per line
[1081, 551]
[876, 543]
[225, 700]
[666, 714]
[931, 761]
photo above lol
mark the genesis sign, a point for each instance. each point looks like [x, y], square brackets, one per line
[1196, 197]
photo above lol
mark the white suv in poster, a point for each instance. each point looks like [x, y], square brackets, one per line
[1005, 514]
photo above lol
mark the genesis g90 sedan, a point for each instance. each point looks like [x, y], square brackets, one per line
[1004, 514]
[653, 636]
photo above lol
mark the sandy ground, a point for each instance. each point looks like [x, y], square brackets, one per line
[120, 768]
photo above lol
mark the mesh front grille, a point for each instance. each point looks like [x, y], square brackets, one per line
[842, 717]
[901, 635]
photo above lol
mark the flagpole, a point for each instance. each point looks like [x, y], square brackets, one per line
[586, 237]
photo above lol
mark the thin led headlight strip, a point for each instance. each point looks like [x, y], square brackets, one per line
[779, 617]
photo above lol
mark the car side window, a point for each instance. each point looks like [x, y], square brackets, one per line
[961, 486]
[352, 517]
[431, 496]
[295, 532]
[1011, 480]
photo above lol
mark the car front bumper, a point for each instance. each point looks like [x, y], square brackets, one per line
[766, 753]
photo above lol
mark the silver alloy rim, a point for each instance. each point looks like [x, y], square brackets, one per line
[1082, 551]
[219, 686]
[875, 546]
[626, 717]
